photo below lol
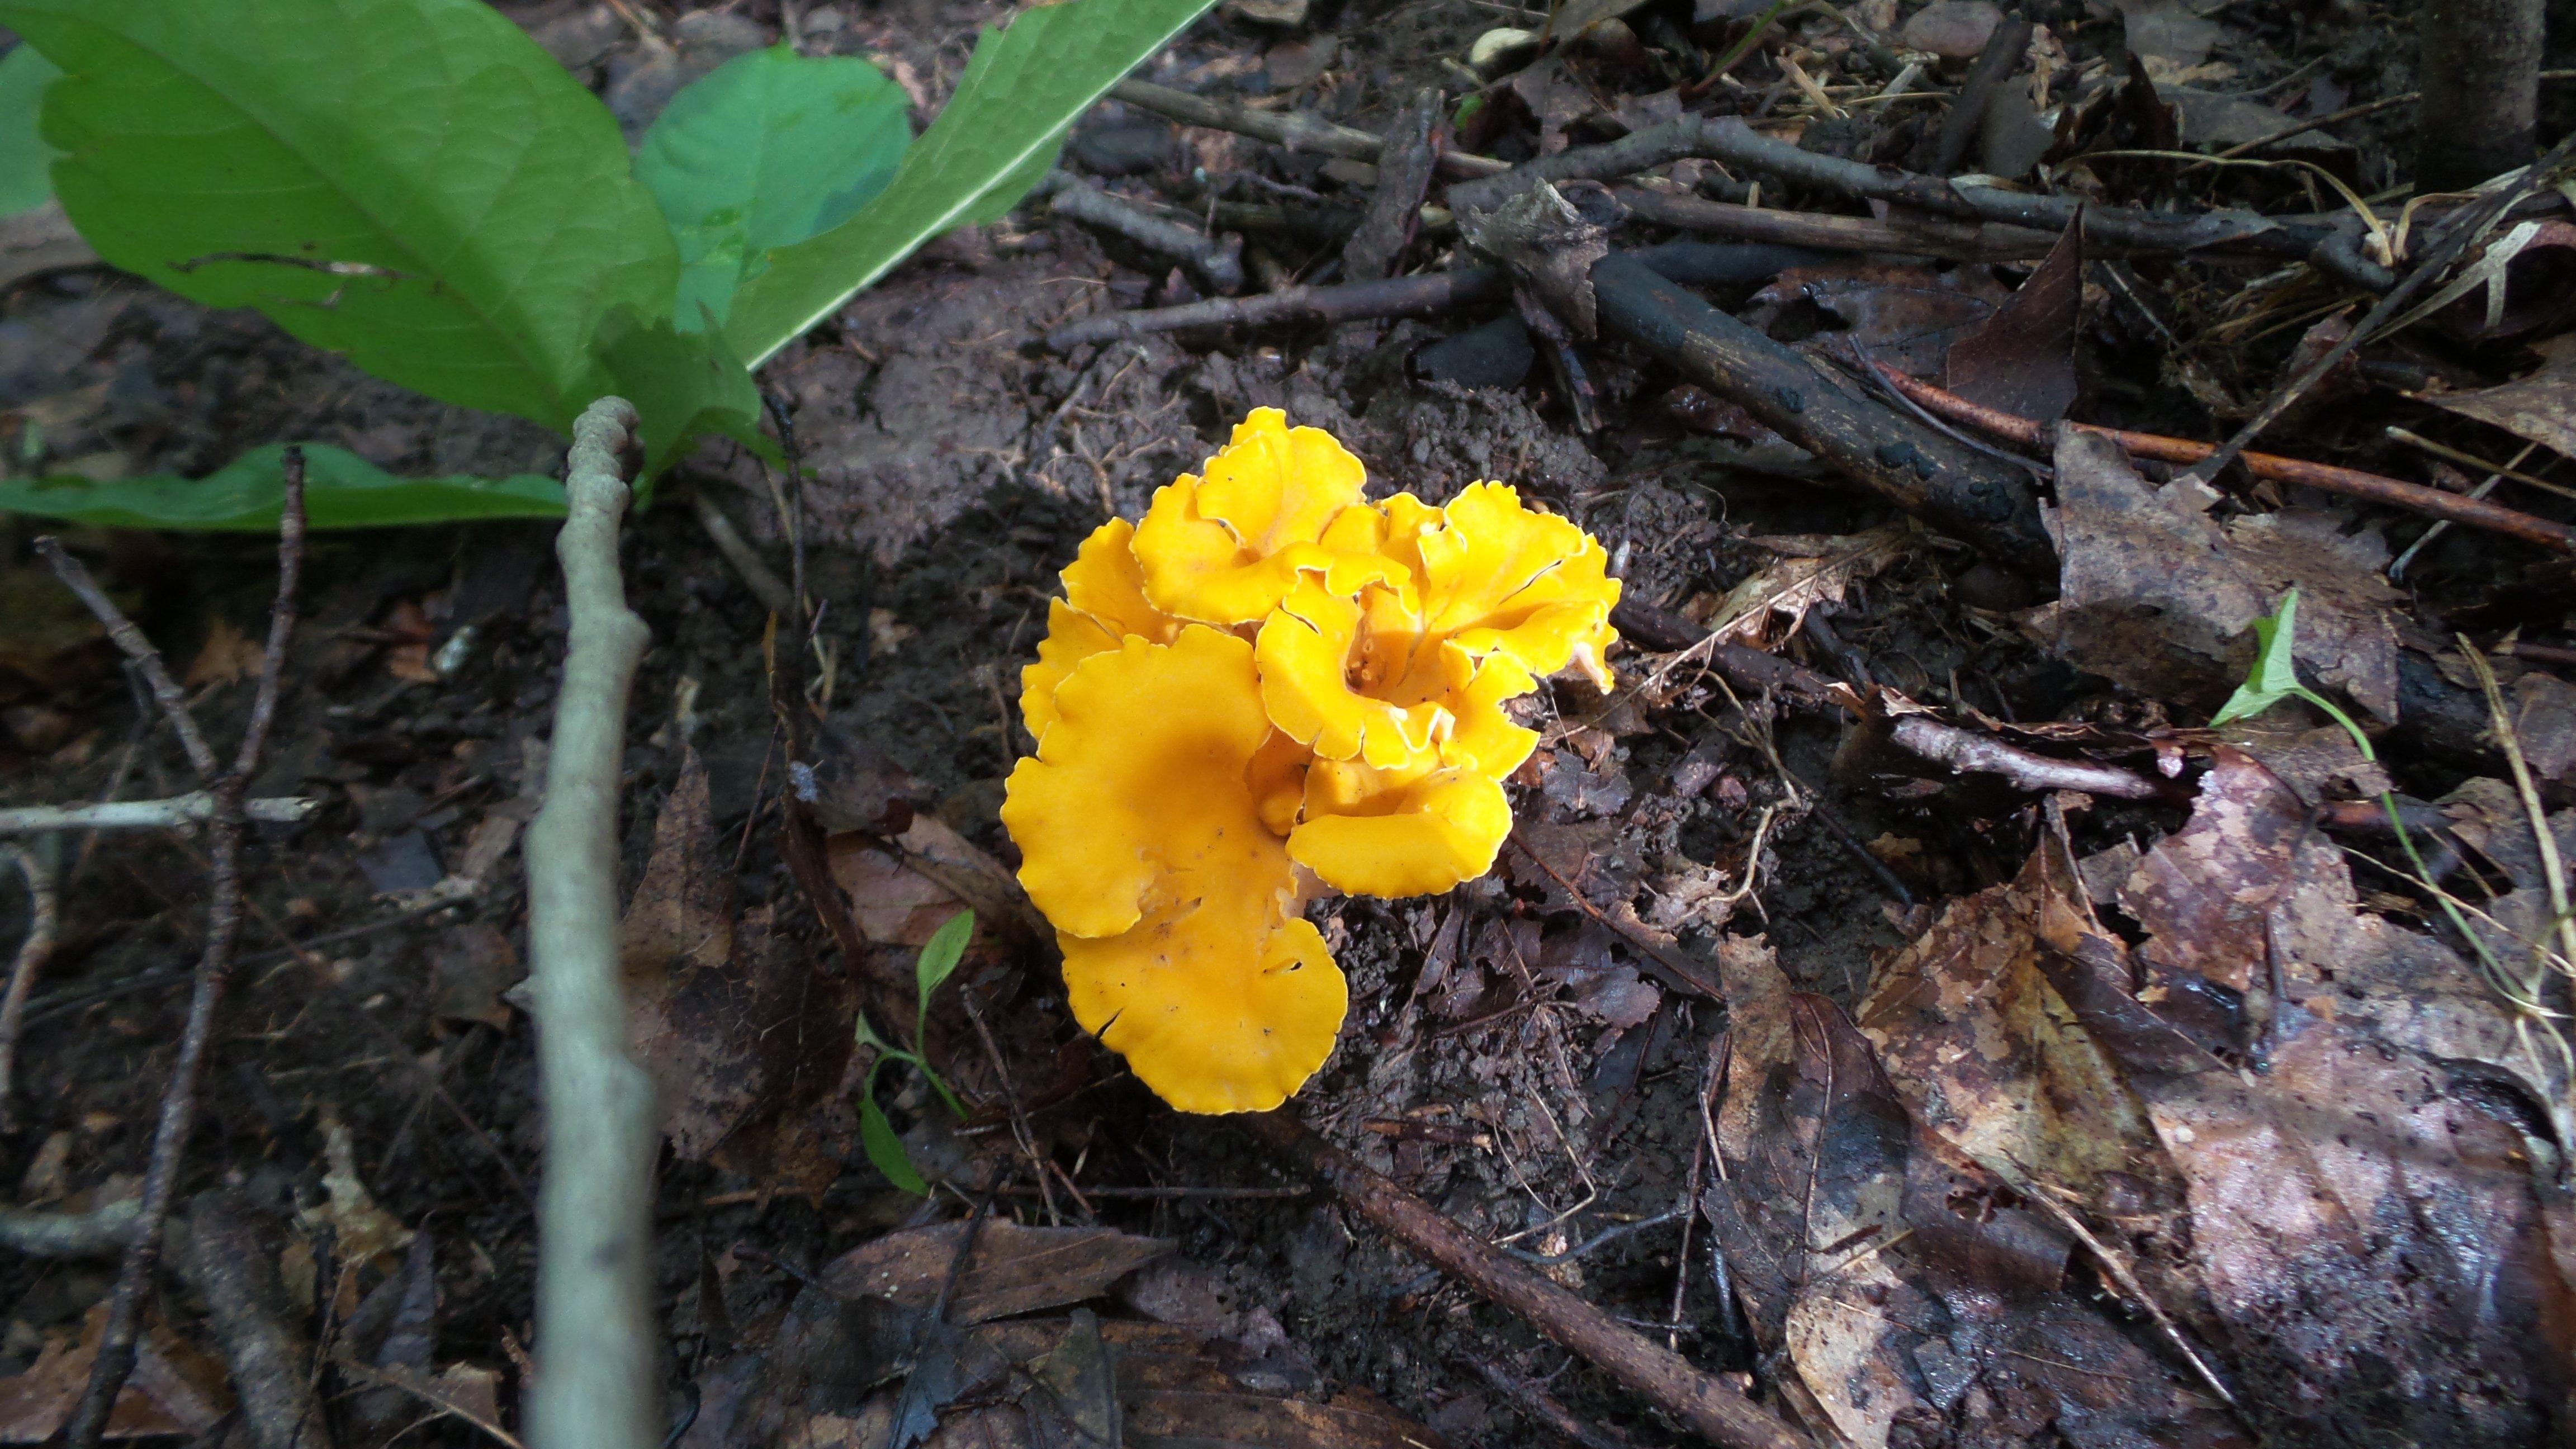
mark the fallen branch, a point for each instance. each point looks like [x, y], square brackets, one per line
[1911, 233]
[1421, 295]
[193, 808]
[1953, 488]
[1730, 140]
[33, 952]
[597, 1358]
[116, 1349]
[1967, 752]
[2467, 511]
[1291, 129]
[1712, 1408]
[1705, 264]
[270, 1359]
[1218, 263]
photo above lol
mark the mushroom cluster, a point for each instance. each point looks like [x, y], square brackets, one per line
[1268, 688]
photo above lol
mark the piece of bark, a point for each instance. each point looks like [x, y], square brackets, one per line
[1403, 178]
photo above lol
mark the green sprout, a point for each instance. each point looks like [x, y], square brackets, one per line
[938, 960]
[2274, 678]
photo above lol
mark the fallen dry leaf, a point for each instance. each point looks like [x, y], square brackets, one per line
[1904, 315]
[1013, 1270]
[1809, 571]
[746, 1034]
[2022, 359]
[227, 657]
[167, 1396]
[2157, 595]
[2539, 407]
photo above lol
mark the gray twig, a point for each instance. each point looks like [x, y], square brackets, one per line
[33, 951]
[1964, 751]
[270, 1359]
[194, 808]
[597, 1357]
[1218, 263]
[116, 1349]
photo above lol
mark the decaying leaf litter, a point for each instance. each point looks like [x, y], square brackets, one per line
[1894, 995]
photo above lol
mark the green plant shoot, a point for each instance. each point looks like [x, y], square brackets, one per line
[2275, 677]
[937, 962]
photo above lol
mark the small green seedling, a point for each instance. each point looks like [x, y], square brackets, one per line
[2274, 678]
[938, 960]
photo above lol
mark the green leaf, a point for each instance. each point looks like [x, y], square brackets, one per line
[341, 490]
[412, 182]
[682, 384]
[2274, 677]
[24, 156]
[884, 1149]
[940, 955]
[1022, 87]
[762, 152]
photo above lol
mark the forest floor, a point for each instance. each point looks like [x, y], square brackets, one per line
[1943, 1035]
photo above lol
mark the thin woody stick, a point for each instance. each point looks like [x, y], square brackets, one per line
[2351, 482]
[116, 1349]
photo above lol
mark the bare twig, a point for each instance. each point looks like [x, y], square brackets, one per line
[1951, 487]
[1218, 263]
[101, 1232]
[2351, 482]
[597, 1354]
[165, 689]
[193, 808]
[1964, 751]
[1420, 295]
[1291, 129]
[1730, 140]
[1907, 232]
[764, 583]
[1713, 1409]
[270, 1359]
[116, 1349]
[33, 951]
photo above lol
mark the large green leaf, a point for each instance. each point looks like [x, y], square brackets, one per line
[412, 182]
[341, 490]
[764, 151]
[24, 157]
[1022, 87]
[683, 385]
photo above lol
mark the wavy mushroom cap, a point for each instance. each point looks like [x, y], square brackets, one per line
[1104, 602]
[1408, 832]
[1496, 576]
[1218, 1004]
[1141, 828]
[1224, 549]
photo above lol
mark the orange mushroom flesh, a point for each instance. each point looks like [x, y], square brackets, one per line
[1270, 672]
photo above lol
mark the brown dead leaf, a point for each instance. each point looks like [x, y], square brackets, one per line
[227, 657]
[1013, 1270]
[361, 1231]
[2356, 1205]
[2539, 407]
[1809, 571]
[2022, 359]
[470, 966]
[1989, 1057]
[2156, 595]
[2205, 893]
[167, 1396]
[741, 1027]
[1904, 315]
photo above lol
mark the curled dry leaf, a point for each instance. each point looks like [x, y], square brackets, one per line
[745, 1033]
[1013, 1269]
[2159, 596]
